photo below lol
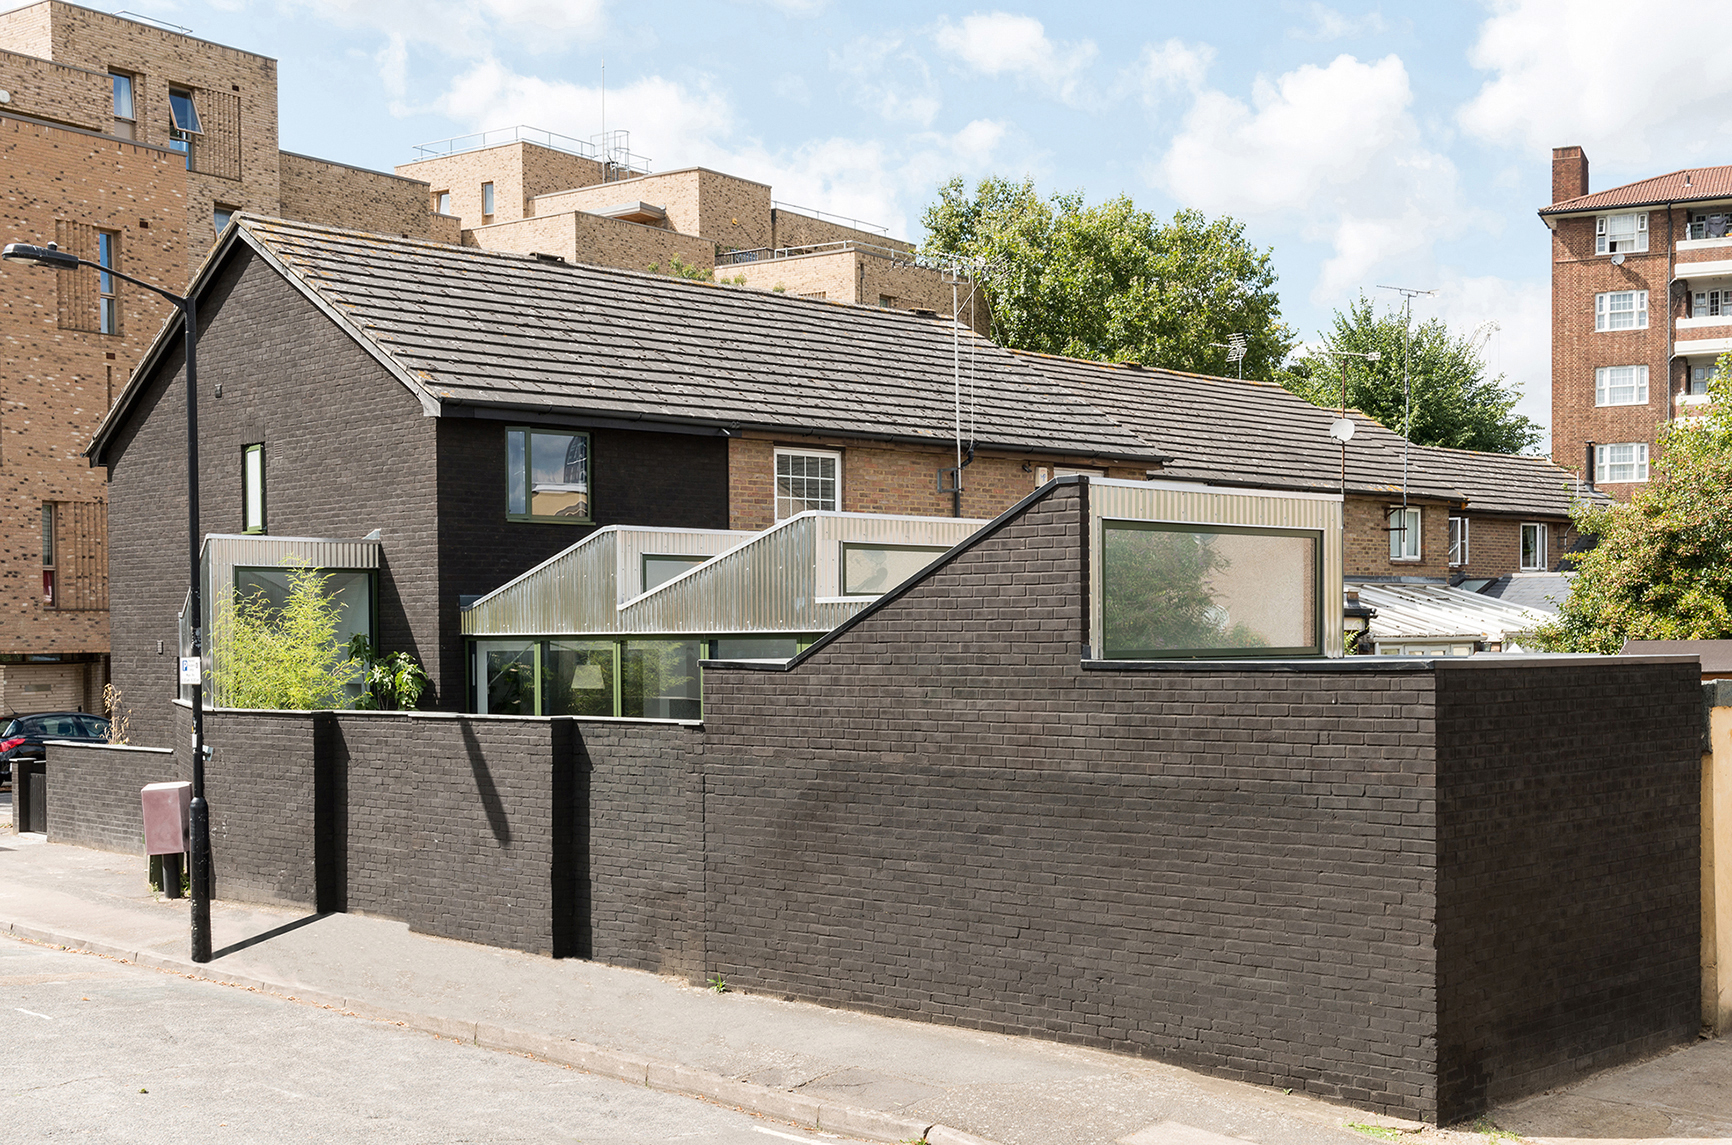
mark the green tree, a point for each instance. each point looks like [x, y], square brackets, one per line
[287, 656]
[1110, 282]
[1662, 567]
[1454, 403]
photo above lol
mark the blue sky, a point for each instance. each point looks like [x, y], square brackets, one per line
[1404, 145]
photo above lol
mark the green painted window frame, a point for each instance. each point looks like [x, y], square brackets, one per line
[529, 431]
[1315, 649]
[248, 453]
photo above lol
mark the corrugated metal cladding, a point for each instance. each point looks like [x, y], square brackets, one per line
[223, 553]
[1201, 505]
[581, 589]
[785, 579]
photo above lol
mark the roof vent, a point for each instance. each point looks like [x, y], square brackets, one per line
[538, 256]
[924, 313]
[1132, 365]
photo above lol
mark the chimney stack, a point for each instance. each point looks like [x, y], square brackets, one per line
[1569, 173]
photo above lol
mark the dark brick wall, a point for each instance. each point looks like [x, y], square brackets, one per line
[943, 815]
[644, 842]
[94, 795]
[1569, 837]
[261, 785]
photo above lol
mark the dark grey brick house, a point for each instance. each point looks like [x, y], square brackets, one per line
[414, 389]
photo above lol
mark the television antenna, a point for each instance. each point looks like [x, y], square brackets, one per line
[1235, 345]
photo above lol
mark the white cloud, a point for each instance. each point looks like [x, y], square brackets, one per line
[467, 28]
[1171, 68]
[1521, 347]
[1582, 79]
[1329, 24]
[1331, 153]
[883, 75]
[1003, 44]
[668, 120]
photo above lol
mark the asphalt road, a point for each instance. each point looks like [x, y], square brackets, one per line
[98, 1050]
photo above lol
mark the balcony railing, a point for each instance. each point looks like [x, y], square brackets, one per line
[893, 254]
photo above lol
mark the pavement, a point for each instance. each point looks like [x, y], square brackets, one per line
[807, 1066]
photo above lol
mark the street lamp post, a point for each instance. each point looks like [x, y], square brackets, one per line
[56, 259]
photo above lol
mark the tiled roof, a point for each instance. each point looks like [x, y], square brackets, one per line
[1685, 186]
[1542, 592]
[1255, 433]
[486, 328]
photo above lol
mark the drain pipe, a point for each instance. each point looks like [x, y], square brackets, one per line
[1588, 469]
[956, 493]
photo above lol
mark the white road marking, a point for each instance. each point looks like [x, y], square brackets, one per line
[790, 1136]
[34, 1014]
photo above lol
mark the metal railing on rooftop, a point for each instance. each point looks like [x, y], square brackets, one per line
[613, 147]
[894, 254]
[857, 224]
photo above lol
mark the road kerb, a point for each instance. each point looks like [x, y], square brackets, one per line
[670, 1077]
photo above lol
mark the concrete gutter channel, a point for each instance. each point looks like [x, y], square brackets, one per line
[671, 1077]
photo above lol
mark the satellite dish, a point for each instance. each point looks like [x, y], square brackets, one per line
[1341, 429]
[1617, 260]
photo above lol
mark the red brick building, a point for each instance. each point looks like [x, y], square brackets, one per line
[1641, 309]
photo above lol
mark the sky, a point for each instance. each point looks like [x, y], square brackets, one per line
[1401, 145]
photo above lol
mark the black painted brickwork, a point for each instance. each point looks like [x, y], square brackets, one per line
[1569, 850]
[347, 450]
[94, 795]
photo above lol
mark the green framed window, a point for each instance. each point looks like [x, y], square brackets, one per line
[872, 570]
[1185, 590]
[547, 475]
[354, 591]
[253, 489]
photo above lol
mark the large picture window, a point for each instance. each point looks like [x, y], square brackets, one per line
[547, 475]
[806, 481]
[1209, 590]
[872, 570]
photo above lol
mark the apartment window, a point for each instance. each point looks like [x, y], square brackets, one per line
[221, 215]
[442, 202]
[48, 553]
[1533, 547]
[1458, 538]
[1697, 382]
[887, 302]
[547, 475]
[1621, 310]
[184, 122]
[1404, 534]
[1621, 386]
[124, 125]
[806, 481]
[1623, 462]
[253, 489]
[1621, 234]
[1711, 304]
[486, 202]
[1713, 225]
[108, 301]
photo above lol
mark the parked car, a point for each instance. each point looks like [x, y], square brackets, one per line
[24, 735]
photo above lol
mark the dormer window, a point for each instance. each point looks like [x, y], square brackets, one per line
[1621, 234]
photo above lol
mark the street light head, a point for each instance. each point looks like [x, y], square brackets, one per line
[50, 256]
[1374, 356]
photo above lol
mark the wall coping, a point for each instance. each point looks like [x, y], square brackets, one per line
[1347, 664]
[351, 713]
[88, 746]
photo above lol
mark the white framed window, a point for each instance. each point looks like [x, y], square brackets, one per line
[1458, 537]
[1621, 386]
[1713, 225]
[1627, 461]
[1533, 546]
[1711, 304]
[1404, 534]
[442, 202]
[1697, 382]
[1621, 310]
[1621, 234]
[253, 488]
[806, 480]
